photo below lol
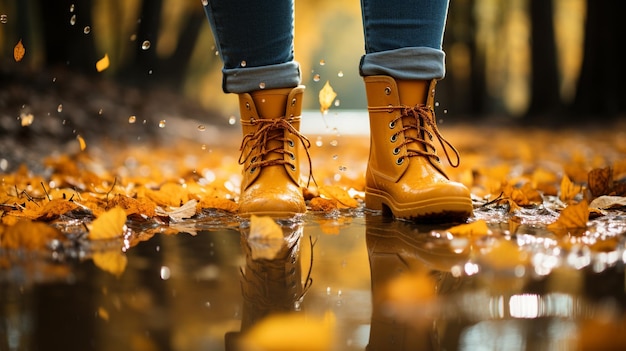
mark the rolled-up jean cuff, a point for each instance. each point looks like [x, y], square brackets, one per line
[412, 63]
[247, 79]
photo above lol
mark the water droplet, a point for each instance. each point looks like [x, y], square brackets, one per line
[60, 108]
[165, 272]
[203, 147]
[201, 128]
[73, 20]
[340, 74]
[133, 37]
[333, 142]
[322, 62]
[436, 103]
[100, 111]
[54, 80]
[132, 119]
[162, 123]
[4, 19]
[205, 2]
[150, 72]
[337, 102]
[232, 120]
[335, 156]
[319, 142]
[207, 304]
[72, 8]
[4, 164]
[87, 29]
[145, 45]
[243, 63]
[343, 168]
[445, 111]
[27, 119]
[316, 78]
[262, 85]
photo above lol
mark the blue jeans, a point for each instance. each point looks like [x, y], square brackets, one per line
[255, 41]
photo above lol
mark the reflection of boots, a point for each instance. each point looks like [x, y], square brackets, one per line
[269, 152]
[404, 173]
[397, 249]
[270, 285]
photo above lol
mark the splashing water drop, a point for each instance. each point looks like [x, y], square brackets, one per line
[445, 111]
[100, 111]
[4, 19]
[133, 37]
[262, 85]
[319, 142]
[145, 45]
[340, 74]
[334, 142]
[232, 120]
[243, 63]
[73, 20]
[201, 128]
[60, 108]
[205, 2]
[436, 103]
[337, 102]
[132, 119]
[322, 62]
[162, 123]
[316, 78]
[87, 30]
[165, 272]
[72, 8]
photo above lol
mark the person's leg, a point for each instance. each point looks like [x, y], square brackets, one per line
[402, 62]
[255, 41]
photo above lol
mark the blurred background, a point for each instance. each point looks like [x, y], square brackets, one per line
[529, 60]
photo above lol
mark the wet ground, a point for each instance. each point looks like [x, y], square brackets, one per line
[346, 279]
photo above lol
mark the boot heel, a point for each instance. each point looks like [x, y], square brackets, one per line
[373, 202]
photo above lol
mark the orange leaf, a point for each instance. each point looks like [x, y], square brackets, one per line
[471, 229]
[113, 262]
[572, 217]
[339, 194]
[19, 51]
[568, 189]
[109, 225]
[28, 235]
[102, 63]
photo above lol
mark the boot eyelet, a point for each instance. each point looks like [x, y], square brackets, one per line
[293, 167]
[291, 143]
[247, 105]
[292, 155]
[387, 90]
[392, 124]
[252, 170]
[293, 102]
[394, 138]
[400, 161]
[396, 151]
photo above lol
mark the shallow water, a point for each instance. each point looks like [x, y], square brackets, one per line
[363, 279]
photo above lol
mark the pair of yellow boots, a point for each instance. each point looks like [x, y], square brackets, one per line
[404, 175]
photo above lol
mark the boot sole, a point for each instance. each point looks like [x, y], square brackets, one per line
[439, 210]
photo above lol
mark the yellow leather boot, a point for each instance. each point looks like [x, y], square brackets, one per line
[270, 122]
[404, 173]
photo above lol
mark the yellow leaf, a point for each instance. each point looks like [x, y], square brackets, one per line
[339, 194]
[282, 332]
[113, 262]
[471, 229]
[568, 189]
[19, 51]
[109, 225]
[102, 63]
[81, 142]
[572, 217]
[326, 96]
[265, 238]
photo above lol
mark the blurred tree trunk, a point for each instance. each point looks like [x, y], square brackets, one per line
[65, 39]
[601, 90]
[545, 100]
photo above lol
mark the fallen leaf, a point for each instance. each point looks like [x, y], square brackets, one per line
[54, 208]
[568, 190]
[185, 211]
[476, 228]
[326, 96]
[574, 216]
[113, 262]
[108, 225]
[600, 181]
[606, 202]
[339, 194]
[19, 51]
[322, 204]
[102, 63]
[28, 235]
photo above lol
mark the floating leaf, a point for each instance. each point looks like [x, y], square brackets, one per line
[471, 229]
[108, 225]
[326, 96]
[574, 216]
[113, 262]
[102, 63]
[339, 194]
[19, 51]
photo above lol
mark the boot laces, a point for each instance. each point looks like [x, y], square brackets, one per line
[418, 122]
[257, 144]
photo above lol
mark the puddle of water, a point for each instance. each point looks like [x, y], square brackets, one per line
[363, 281]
